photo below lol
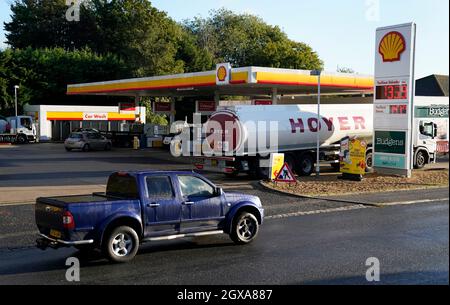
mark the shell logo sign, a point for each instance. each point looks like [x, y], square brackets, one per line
[223, 72]
[391, 47]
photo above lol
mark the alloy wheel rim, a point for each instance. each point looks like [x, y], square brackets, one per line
[246, 228]
[122, 244]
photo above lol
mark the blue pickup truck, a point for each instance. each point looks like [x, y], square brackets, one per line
[146, 206]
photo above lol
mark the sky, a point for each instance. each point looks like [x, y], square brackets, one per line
[341, 32]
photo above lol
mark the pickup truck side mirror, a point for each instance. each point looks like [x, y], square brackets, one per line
[219, 191]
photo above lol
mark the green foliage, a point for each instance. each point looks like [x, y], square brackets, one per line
[246, 40]
[43, 75]
[147, 40]
[151, 117]
[128, 38]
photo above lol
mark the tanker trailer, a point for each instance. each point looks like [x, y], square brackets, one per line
[242, 137]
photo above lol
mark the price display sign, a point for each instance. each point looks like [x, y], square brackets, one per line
[393, 99]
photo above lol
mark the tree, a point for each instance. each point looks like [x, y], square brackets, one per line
[42, 24]
[246, 40]
[43, 75]
[148, 41]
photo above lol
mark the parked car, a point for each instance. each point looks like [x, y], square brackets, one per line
[87, 141]
[146, 206]
[86, 130]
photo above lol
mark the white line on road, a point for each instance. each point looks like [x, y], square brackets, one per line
[12, 204]
[295, 214]
[412, 202]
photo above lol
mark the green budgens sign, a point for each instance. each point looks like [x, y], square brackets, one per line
[391, 142]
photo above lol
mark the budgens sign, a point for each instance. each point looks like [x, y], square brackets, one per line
[390, 142]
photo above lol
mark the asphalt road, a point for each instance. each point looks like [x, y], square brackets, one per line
[47, 164]
[411, 243]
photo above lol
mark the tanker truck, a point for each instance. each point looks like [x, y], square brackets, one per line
[240, 137]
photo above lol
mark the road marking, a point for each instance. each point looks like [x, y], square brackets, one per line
[412, 202]
[355, 207]
[295, 214]
[12, 204]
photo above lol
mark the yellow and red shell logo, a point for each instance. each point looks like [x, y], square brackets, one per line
[222, 73]
[392, 46]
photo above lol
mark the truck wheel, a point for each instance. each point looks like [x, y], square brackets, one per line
[121, 245]
[21, 139]
[290, 160]
[257, 172]
[305, 165]
[369, 162]
[86, 147]
[420, 160]
[245, 228]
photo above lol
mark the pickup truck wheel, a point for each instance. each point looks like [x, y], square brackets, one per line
[245, 228]
[121, 245]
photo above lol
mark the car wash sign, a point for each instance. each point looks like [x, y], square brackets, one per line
[393, 99]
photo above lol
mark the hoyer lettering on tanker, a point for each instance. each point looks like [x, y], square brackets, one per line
[344, 123]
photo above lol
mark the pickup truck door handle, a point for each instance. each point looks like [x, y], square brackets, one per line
[153, 205]
[188, 203]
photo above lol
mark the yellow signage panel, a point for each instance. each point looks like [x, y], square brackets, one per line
[353, 156]
[276, 163]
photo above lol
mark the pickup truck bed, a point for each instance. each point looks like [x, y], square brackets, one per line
[62, 201]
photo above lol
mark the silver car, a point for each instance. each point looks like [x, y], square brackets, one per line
[87, 141]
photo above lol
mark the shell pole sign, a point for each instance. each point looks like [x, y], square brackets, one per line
[223, 74]
[394, 92]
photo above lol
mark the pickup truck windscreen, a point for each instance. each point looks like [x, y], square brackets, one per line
[123, 186]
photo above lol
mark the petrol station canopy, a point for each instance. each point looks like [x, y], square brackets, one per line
[245, 81]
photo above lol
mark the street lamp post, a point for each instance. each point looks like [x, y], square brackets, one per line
[16, 87]
[317, 73]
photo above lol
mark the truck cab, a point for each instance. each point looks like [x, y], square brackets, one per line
[22, 127]
[424, 143]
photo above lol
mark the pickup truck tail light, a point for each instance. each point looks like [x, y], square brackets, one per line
[68, 221]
